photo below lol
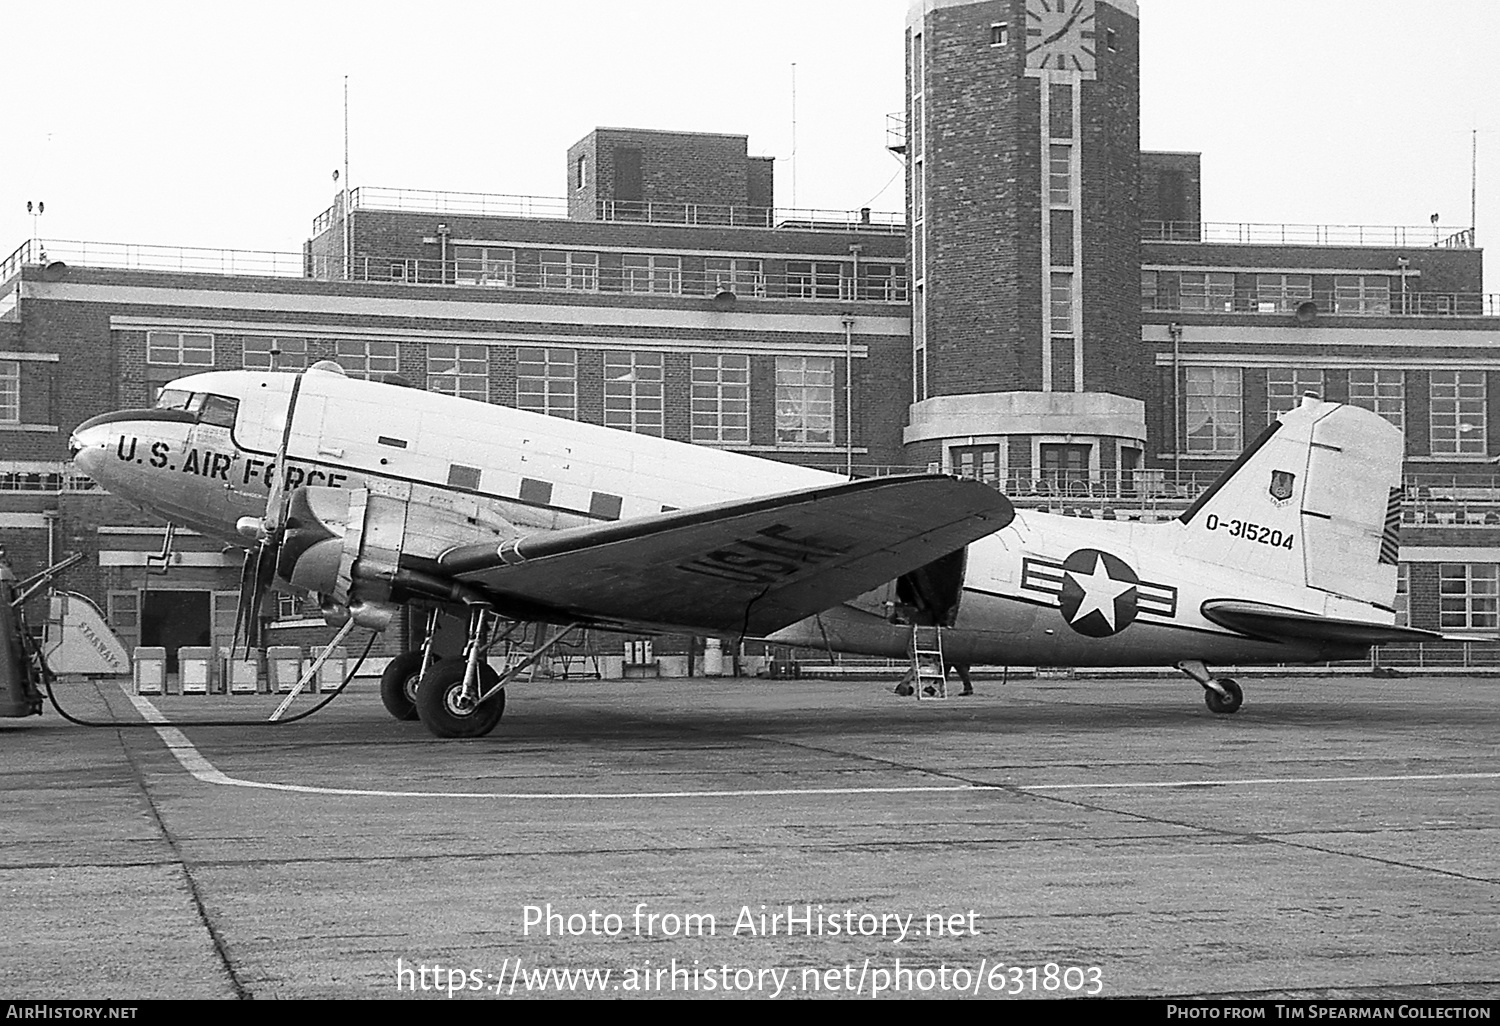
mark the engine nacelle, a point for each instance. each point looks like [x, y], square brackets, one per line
[357, 548]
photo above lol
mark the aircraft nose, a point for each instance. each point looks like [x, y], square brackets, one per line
[86, 446]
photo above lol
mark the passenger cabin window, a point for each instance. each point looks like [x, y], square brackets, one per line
[218, 410]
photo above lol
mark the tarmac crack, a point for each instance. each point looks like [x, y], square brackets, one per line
[221, 950]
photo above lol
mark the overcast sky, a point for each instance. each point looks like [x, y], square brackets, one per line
[202, 124]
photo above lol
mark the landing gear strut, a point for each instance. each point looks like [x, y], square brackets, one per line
[1221, 695]
[398, 684]
[465, 697]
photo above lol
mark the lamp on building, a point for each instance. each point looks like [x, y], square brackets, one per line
[724, 297]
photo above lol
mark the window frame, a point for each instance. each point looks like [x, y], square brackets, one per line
[460, 369]
[805, 403]
[579, 271]
[158, 350]
[1223, 407]
[635, 392]
[350, 349]
[1386, 403]
[1467, 410]
[558, 367]
[293, 359]
[1460, 605]
[1285, 387]
[10, 391]
[719, 401]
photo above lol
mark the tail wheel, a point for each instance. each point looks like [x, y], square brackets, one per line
[446, 712]
[398, 685]
[1224, 704]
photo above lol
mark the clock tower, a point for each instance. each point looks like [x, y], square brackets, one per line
[1023, 164]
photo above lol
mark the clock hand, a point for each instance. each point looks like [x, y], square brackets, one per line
[1067, 26]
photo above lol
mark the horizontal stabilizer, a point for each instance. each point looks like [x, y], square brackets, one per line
[742, 567]
[1278, 623]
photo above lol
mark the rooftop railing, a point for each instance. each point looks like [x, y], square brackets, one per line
[1412, 304]
[636, 211]
[1248, 233]
[131, 256]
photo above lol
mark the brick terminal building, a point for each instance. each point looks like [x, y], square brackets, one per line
[1049, 314]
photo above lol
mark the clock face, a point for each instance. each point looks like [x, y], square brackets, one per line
[1060, 35]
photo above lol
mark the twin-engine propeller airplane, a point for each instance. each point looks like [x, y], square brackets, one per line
[374, 496]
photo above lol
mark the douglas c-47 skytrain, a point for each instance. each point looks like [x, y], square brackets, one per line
[394, 496]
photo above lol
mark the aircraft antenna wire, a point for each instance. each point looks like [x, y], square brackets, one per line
[48, 677]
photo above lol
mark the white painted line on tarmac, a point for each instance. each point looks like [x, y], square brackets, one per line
[206, 772]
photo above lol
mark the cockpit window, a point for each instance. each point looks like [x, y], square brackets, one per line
[173, 399]
[218, 410]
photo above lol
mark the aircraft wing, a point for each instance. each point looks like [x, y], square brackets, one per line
[1279, 623]
[745, 567]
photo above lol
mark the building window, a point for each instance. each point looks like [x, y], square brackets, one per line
[583, 172]
[575, 271]
[1403, 595]
[1215, 409]
[1062, 303]
[633, 392]
[1285, 387]
[1281, 293]
[1380, 391]
[289, 354]
[10, 392]
[1458, 423]
[740, 276]
[547, 382]
[1468, 594]
[804, 400]
[918, 347]
[1148, 290]
[721, 398]
[458, 370]
[1060, 176]
[815, 280]
[977, 462]
[179, 349]
[884, 282]
[368, 360]
[1111, 40]
[1000, 34]
[1210, 290]
[1359, 294]
[1065, 467]
[484, 265]
[648, 273]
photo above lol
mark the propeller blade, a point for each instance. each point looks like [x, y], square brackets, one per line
[276, 499]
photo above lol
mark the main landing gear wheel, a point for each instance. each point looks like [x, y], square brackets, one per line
[398, 685]
[1224, 703]
[443, 708]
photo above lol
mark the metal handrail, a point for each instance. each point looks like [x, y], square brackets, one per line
[1250, 233]
[643, 212]
[133, 256]
[612, 278]
[1330, 301]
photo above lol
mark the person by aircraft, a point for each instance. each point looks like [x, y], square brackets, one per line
[373, 497]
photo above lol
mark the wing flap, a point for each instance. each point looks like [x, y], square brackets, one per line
[1279, 623]
[743, 567]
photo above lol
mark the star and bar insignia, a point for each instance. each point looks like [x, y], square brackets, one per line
[1098, 592]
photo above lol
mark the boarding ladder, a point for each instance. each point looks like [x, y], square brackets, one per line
[927, 668]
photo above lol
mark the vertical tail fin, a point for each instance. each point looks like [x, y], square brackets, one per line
[1314, 502]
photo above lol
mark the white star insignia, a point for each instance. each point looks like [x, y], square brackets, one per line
[1099, 592]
